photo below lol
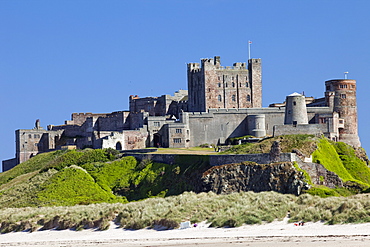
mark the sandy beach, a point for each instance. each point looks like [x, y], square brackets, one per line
[278, 233]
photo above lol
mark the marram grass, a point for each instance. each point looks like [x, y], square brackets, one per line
[220, 210]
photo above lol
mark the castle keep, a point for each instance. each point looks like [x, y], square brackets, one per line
[220, 103]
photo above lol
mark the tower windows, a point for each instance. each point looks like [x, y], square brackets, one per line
[233, 84]
[178, 131]
[343, 96]
[248, 98]
[246, 84]
[225, 84]
[219, 98]
[233, 98]
[343, 86]
[177, 140]
[219, 84]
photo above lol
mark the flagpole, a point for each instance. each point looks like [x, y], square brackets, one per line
[249, 49]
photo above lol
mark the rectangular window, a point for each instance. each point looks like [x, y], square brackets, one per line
[156, 124]
[178, 130]
[177, 140]
[343, 96]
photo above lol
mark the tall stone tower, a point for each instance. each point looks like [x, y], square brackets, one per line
[345, 105]
[212, 86]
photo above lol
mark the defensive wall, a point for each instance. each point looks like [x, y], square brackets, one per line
[217, 160]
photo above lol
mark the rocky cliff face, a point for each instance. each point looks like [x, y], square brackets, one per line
[249, 176]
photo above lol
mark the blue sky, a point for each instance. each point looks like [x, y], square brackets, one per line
[60, 57]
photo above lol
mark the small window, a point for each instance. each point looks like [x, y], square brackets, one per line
[30, 136]
[246, 84]
[219, 98]
[294, 103]
[248, 98]
[209, 89]
[343, 96]
[233, 98]
[225, 84]
[341, 121]
[157, 124]
[178, 130]
[177, 140]
[219, 84]
[233, 84]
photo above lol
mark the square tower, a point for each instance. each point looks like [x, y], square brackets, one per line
[212, 86]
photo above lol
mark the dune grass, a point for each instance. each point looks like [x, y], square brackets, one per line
[220, 210]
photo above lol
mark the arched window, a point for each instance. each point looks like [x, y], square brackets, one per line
[219, 98]
[233, 84]
[246, 84]
[233, 98]
[225, 84]
[219, 84]
[118, 146]
[248, 98]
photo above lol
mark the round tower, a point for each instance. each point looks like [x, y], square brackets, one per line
[256, 125]
[295, 109]
[345, 105]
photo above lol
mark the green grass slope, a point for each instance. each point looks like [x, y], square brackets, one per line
[65, 178]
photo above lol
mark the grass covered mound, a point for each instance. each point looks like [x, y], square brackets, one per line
[231, 210]
[341, 159]
[73, 177]
[72, 186]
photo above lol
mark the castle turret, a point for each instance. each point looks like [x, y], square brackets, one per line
[295, 109]
[345, 105]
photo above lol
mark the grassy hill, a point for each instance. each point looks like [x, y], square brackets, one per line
[66, 178]
[79, 177]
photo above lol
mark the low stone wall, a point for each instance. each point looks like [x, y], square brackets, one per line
[159, 158]
[217, 160]
[265, 158]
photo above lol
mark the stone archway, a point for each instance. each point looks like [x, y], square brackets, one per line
[157, 140]
[118, 146]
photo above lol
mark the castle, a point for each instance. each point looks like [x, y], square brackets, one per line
[220, 103]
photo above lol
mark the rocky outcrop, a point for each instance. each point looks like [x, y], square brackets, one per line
[249, 176]
[321, 176]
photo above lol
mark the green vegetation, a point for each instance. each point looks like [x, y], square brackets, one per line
[73, 177]
[219, 210]
[72, 186]
[340, 158]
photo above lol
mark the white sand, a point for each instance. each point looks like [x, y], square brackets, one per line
[272, 234]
